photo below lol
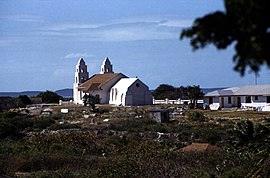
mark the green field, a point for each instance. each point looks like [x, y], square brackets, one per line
[130, 144]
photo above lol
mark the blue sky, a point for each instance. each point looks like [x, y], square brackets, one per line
[42, 40]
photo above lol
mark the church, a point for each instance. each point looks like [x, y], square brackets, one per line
[109, 87]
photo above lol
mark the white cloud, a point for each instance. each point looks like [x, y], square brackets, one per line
[71, 26]
[22, 18]
[78, 55]
[126, 29]
[60, 72]
[176, 23]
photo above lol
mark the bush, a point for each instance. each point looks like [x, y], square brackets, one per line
[196, 116]
[64, 126]
[43, 123]
[7, 129]
[11, 124]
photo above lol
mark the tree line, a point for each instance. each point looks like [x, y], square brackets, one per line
[23, 100]
[165, 91]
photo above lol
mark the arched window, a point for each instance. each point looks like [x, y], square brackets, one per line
[116, 92]
[112, 93]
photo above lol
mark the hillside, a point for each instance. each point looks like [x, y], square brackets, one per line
[66, 93]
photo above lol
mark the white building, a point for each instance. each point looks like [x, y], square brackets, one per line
[252, 95]
[81, 75]
[132, 90]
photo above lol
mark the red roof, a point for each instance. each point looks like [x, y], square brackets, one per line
[98, 80]
[201, 147]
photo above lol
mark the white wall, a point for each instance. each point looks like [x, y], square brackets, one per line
[140, 94]
[134, 95]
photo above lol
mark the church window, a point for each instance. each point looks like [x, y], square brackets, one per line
[76, 80]
[137, 85]
[116, 92]
[112, 93]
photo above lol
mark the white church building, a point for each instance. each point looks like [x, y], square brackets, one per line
[109, 87]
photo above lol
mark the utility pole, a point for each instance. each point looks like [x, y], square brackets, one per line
[256, 78]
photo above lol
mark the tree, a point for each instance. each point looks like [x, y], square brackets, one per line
[91, 100]
[50, 97]
[24, 100]
[245, 24]
[164, 91]
[194, 94]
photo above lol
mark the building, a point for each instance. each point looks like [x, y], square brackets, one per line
[130, 92]
[245, 96]
[81, 75]
[160, 115]
[110, 87]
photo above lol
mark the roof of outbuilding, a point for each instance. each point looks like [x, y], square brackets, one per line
[223, 92]
[253, 90]
[249, 90]
[98, 80]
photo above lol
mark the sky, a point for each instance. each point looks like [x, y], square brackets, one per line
[41, 42]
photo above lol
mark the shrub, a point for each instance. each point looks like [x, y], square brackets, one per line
[64, 126]
[43, 123]
[196, 116]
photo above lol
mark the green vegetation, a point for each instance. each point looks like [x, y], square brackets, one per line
[244, 24]
[50, 97]
[164, 91]
[132, 145]
[91, 100]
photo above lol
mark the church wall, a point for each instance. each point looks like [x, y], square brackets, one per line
[140, 94]
[107, 87]
[135, 95]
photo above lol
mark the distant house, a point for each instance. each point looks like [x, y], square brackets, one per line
[109, 87]
[252, 95]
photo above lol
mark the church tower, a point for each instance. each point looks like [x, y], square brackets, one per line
[81, 75]
[106, 67]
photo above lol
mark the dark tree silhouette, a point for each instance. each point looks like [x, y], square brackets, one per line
[91, 100]
[164, 91]
[50, 97]
[245, 24]
[194, 94]
[24, 100]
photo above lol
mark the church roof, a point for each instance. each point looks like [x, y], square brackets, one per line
[124, 84]
[98, 80]
[81, 62]
[106, 60]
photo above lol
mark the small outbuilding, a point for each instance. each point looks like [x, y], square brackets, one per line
[160, 115]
